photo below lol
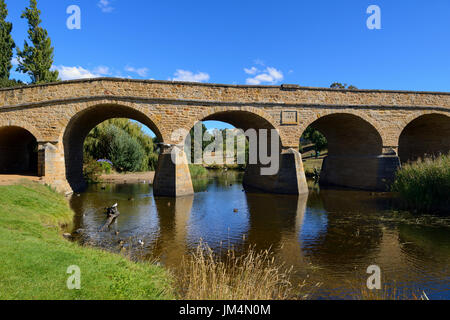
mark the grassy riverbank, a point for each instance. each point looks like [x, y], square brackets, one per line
[35, 257]
[425, 184]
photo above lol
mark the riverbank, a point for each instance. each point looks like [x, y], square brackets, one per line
[35, 257]
[10, 179]
[136, 177]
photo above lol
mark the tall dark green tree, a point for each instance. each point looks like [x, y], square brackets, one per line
[36, 59]
[6, 42]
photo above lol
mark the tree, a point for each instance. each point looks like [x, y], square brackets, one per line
[8, 83]
[101, 143]
[338, 85]
[37, 59]
[203, 141]
[315, 137]
[6, 42]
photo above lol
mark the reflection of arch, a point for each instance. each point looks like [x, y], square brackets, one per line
[18, 151]
[427, 134]
[349, 134]
[82, 123]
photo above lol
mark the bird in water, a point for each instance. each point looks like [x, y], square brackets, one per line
[141, 242]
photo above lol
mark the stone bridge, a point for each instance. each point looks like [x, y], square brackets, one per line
[370, 132]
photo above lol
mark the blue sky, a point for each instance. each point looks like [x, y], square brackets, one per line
[311, 43]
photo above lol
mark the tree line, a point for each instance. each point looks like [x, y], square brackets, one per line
[35, 58]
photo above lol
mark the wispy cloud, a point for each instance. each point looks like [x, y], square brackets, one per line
[142, 72]
[252, 70]
[105, 6]
[189, 76]
[269, 75]
[78, 72]
[102, 70]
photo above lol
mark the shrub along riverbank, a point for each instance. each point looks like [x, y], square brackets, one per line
[425, 184]
[35, 257]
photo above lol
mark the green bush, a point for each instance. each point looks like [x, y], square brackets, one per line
[106, 167]
[197, 171]
[125, 152]
[92, 170]
[7, 83]
[109, 140]
[425, 184]
[153, 161]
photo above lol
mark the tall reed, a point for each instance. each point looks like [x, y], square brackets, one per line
[425, 184]
[252, 276]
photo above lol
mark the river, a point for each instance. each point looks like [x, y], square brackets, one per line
[329, 237]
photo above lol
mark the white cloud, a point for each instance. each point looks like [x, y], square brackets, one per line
[269, 75]
[142, 72]
[189, 76]
[102, 70]
[105, 6]
[14, 61]
[252, 70]
[71, 73]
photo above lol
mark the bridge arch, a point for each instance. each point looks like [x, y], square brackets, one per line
[348, 134]
[18, 150]
[355, 153]
[21, 124]
[424, 135]
[79, 126]
[242, 118]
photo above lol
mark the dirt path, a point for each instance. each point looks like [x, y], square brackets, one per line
[10, 179]
[140, 177]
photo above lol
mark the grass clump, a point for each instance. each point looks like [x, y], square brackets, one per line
[425, 184]
[252, 276]
[35, 257]
[391, 294]
[197, 171]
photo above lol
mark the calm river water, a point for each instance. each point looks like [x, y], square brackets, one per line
[329, 237]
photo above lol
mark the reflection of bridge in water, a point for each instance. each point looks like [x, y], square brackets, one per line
[332, 236]
[43, 127]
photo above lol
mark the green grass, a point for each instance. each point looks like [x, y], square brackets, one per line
[35, 257]
[425, 184]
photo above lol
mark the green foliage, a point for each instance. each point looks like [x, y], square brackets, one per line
[124, 151]
[314, 136]
[123, 143]
[338, 85]
[197, 171]
[37, 59]
[92, 170]
[425, 184]
[35, 257]
[106, 167]
[7, 83]
[6, 43]
[202, 142]
[208, 139]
